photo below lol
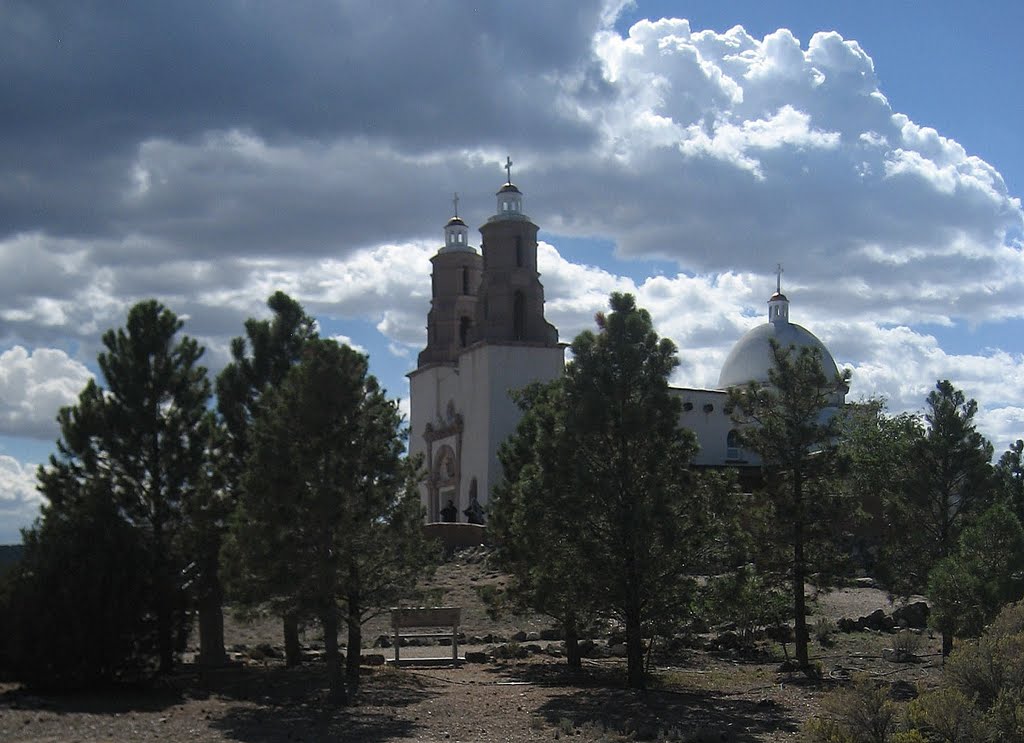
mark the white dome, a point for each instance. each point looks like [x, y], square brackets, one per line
[751, 357]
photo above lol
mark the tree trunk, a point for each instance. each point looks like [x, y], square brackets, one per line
[572, 643]
[335, 682]
[799, 574]
[634, 652]
[292, 650]
[947, 645]
[352, 660]
[164, 630]
[211, 631]
[211, 615]
[355, 632]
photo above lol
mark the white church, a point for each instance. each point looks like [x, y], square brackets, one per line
[486, 335]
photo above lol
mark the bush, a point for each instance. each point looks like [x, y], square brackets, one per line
[863, 713]
[982, 694]
[906, 644]
[81, 605]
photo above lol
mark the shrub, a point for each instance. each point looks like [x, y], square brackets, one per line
[824, 628]
[82, 601]
[862, 713]
[982, 693]
[906, 645]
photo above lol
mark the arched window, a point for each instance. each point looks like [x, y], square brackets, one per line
[733, 450]
[465, 280]
[519, 251]
[518, 317]
[464, 325]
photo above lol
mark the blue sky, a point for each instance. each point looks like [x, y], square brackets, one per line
[209, 155]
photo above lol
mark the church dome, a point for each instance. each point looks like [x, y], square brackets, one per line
[751, 357]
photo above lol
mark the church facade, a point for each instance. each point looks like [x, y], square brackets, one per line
[487, 335]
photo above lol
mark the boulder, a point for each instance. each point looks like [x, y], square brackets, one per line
[874, 621]
[532, 636]
[552, 633]
[371, 659]
[914, 615]
[519, 636]
[476, 656]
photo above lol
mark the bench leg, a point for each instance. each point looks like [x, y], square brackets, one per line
[398, 644]
[455, 642]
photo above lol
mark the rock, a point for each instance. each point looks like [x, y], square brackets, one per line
[728, 640]
[864, 582]
[555, 650]
[476, 656]
[269, 651]
[875, 620]
[586, 647]
[848, 625]
[532, 636]
[533, 648]
[383, 641]
[914, 614]
[553, 633]
[371, 659]
[519, 636]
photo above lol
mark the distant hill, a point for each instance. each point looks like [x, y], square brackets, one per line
[9, 554]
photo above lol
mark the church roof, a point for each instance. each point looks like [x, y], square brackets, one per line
[751, 357]
[509, 188]
[456, 221]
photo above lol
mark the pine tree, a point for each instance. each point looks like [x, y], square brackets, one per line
[534, 517]
[141, 443]
[1009, 474]
[786, 422]
[627, 499]
[259, 362]
[329, 521]
[950, 485]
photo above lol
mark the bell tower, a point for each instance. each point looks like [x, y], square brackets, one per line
[511, 303]
[455, 283]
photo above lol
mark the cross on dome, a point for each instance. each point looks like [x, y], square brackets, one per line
[455, 203]
[778, 278]
[508, 167]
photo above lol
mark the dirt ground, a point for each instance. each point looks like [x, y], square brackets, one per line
[695, 695]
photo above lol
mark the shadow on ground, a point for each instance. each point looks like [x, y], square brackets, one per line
[280, 704]
[597, 697]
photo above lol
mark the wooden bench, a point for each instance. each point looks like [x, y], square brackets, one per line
[426, 618]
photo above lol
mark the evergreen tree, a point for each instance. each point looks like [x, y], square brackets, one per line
[1010, 478]
[141, 443]
[259, 362]
[876, 447]
[788, 424]
[950, 485]
[329, 520]
[627, 500]
[534, 517]
[986, 572]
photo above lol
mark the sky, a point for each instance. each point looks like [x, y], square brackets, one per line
[209, 154]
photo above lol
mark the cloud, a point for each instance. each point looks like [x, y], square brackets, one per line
[314, 149]
[34, 386]
[19, 499]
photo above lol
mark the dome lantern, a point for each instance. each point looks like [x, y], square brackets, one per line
[778, 304]
[510, 198]
[456, 232]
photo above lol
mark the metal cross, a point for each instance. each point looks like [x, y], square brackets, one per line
[455, 203]
[508, 168]
[778, 278]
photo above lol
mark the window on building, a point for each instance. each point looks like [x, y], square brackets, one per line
[465, 280]
[464, 325]
[519, 252]
[733, 450]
